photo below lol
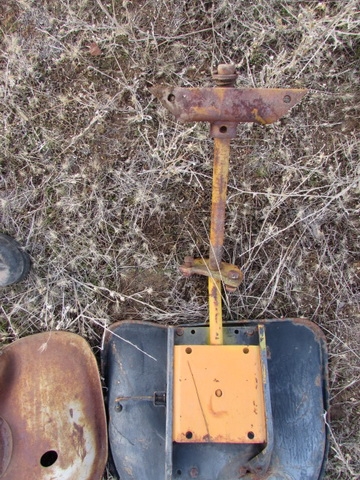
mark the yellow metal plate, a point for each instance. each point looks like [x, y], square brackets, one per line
[218, 394]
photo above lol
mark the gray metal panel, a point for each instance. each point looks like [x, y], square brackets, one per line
[298, 377]
[136, 368]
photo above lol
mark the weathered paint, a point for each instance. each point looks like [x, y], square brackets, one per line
[215, 312]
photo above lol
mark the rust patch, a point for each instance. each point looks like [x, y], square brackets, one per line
[213, 294]
[78, 440]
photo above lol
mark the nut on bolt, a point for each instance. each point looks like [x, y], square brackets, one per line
[226, 75]
[194, 472]
[233, 275]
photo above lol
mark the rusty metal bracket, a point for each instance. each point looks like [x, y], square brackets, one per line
[226, 105]
[230, 275]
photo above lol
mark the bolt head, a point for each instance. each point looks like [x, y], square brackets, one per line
[233, 274]
[179, 331]
[194, 472]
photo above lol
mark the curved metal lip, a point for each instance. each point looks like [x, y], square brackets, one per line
[6, 446]
[14, 262]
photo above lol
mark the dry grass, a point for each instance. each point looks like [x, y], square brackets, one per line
[108, 194]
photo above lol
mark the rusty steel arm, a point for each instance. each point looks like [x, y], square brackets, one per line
[223, 106]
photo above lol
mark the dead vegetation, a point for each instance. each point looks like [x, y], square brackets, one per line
[108, 193]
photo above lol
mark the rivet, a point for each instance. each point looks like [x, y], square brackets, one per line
[233, 274]
[194, 472]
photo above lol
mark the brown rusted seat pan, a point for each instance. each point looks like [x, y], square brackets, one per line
[52, 418]
[223, 104]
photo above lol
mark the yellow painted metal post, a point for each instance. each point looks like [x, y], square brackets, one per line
[219, 189]
[215, 312]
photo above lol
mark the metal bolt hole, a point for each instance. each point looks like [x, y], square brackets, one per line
[171, 98]
[251, 435]
[246, 350]
[188, 435]
[49, 458]
[287, 99]
[188, 350]
[223, 129]
[193, 332]
[236, 331]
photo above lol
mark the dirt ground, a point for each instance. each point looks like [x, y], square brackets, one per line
[108, 193]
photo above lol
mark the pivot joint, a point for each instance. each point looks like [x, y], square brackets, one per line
[229, 274]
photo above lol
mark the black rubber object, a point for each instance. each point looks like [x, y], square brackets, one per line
[14, 262]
